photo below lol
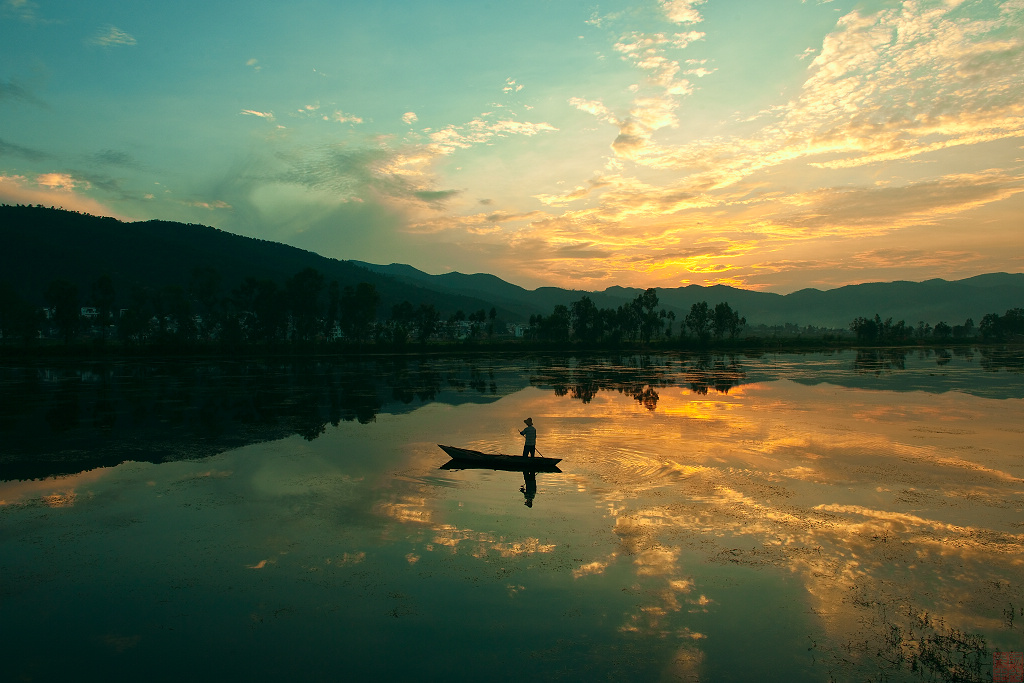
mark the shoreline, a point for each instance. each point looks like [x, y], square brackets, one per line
[54, 350]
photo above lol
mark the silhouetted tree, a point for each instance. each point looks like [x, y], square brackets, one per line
[555, 327]
[671, 318]
[994, 327]
[698, 320]
[585, 320]
[609, 322]
[303, 291]
[177, 317]
[333, 308]
[204, 290]
[403, 317]
[62, 297]
[263, 309]
[476, 320]
[18, 318]
[133, 327]
[876, 330]
[103, 298]
[1013, 321]
[427, 321]
[726, 321]
[865, 328]
[647, 316]
[942, 330]
[964, 331]
[454, 325]
[359, 310]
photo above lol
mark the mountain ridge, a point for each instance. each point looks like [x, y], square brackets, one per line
[42, 245]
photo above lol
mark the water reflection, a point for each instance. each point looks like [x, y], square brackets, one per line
[64, 419]
[529, 488]
[529, 470]
[878, 361]
[779, 517]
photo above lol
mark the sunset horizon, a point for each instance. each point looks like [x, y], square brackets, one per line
[766, 146]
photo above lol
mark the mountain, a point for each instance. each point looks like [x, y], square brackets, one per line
[931, 301]
[41, 245]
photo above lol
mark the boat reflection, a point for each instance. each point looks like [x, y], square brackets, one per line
[525, 467]
[529, 470]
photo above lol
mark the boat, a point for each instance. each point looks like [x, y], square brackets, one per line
[467, 458]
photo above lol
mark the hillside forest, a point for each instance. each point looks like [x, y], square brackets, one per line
[307, 310]
[76, 279]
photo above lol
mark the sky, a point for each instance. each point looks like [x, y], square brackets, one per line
[764, 144]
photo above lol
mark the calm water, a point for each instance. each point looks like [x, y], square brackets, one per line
[781, 518]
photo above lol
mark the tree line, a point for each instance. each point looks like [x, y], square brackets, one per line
[305, 309]
[639, 320]
[308, 309]
[993, 327]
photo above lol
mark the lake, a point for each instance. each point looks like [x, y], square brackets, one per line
[847, 516]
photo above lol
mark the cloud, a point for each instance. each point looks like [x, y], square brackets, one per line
[13, 90]
[53, 189]
[25, 10]
[261, 114]
[596, 567]
[410, 117]
[342, 117]
[511, 86]
[682, 11]
[645, 233]
[255, 64]
[507, 217]
[578, 193]
[880, 210]
[361, 174]
[926, 259]
[210, 206]
[594, 107]
[112, 35]
[481, 131]
[61, 181]
[599, 20]
[103, 183]
[647, 52]
[13, 150]
[651, 111]
[435, 196]
[890, 85]
[111, 157]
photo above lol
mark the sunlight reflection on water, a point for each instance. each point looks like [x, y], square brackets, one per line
[806, 519]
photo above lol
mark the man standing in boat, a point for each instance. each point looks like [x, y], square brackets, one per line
[530, 447]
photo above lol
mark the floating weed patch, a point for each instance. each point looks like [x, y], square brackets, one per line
[934, 652]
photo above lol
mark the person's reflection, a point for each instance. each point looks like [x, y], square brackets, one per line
[529, 488]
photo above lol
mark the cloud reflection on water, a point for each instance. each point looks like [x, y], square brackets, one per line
[750, 492]
[857, 509]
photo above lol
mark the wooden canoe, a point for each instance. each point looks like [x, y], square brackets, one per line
[498, 460]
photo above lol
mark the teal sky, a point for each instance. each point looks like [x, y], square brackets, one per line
[768, 144]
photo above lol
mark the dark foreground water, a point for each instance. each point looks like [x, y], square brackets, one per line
[856, 516]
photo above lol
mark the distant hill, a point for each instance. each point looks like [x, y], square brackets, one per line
[931, 301]
[41, 245]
